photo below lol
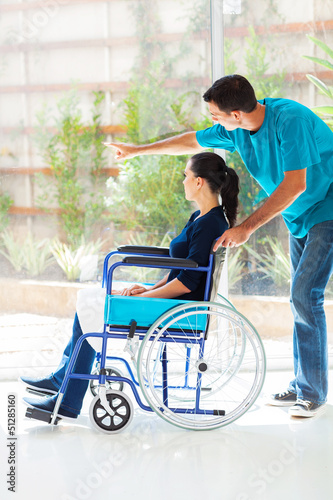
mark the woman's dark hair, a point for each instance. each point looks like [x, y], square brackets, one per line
[220, 178]
[231, 93]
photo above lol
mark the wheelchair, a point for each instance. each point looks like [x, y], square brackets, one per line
[197, 365]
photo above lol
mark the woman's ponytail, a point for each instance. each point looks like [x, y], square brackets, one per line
[221, 179]
[229, 194]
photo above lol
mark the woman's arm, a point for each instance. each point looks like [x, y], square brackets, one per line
[169, 290]
[137, 289]
[162, 290]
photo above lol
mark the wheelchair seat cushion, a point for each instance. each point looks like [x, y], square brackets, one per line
[122, 310]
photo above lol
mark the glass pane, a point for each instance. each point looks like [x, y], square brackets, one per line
[126, 71]
[267, 42]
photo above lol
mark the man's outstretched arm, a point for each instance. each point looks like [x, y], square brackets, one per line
[183, 144]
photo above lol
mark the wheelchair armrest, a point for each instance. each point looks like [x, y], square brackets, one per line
[143, 250]
[161, 261]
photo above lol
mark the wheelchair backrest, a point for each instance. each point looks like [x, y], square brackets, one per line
[218, 262]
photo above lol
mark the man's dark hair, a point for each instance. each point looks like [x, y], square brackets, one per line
[231, 93]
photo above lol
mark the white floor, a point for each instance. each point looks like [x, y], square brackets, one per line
[265, 455]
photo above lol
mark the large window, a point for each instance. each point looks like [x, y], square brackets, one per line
[76, 73]
[270, 43]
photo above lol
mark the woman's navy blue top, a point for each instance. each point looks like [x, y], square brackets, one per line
[195, 242]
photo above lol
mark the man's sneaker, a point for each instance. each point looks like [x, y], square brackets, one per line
[286, 398]
[43, 386]
[48, 404]
[305, 409]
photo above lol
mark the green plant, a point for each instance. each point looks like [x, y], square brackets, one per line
[70, 259]
[13, 251]
[257, 61]
[31, 255]
[75, 154]
[146, 96]
[38, 256]
[149, 193]
[326, 112]
[149, 190]
[5, 204]
[235, 267]
[273, 262]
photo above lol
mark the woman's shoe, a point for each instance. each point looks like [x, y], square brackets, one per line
[44, 386]
[48, 404]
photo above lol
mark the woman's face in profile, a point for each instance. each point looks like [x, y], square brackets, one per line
[190, 183]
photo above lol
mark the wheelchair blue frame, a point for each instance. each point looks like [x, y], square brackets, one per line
[123, 331]
[219, 395]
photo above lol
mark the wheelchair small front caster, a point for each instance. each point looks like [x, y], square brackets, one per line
[111, 372]
[117, 418]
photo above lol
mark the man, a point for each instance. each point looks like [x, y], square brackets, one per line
[289, 151]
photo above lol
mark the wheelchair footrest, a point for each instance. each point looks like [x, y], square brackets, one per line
[43, 415]
[219, 412]
[38, 392]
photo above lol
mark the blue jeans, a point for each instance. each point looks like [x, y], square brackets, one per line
[311, 267]
[76, 389]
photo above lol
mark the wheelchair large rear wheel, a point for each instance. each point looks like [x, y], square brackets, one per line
[201, 365]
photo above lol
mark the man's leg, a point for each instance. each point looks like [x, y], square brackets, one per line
[296, 247]
[312, 264]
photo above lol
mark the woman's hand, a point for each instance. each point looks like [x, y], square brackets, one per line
[133, 290]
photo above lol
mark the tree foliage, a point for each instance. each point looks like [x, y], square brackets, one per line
[75, 155]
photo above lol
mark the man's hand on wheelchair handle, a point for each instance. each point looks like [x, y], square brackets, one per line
[233, 237]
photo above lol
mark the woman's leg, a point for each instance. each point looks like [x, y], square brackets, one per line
[76, 389]
[73, 396]
[51, 383]
[58, 375]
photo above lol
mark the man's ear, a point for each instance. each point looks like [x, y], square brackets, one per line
[236, 114]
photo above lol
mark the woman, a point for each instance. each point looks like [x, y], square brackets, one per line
[207, 178]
